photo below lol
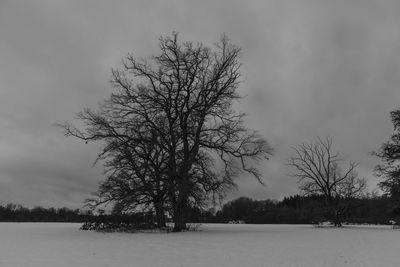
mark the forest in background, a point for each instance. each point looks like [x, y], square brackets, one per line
[291, 210]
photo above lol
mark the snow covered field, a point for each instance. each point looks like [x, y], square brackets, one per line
[51, 244]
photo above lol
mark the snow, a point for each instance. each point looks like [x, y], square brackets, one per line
[52, 244]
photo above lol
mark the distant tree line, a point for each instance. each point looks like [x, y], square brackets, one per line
[299, 210]
[18, 213]
[295, 209]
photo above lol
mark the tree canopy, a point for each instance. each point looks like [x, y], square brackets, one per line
[169, 124]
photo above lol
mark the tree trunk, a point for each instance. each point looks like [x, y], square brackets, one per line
[338, 222]
[160, 217]
[179, 222]
[179, 217]
[335, 212]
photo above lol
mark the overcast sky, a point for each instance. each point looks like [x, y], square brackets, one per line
[311, 68]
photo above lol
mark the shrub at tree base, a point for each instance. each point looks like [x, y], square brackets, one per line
[130, 223]
[120, 223]
[122, 227]
[110, 227]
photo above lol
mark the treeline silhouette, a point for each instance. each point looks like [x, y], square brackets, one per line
[291, 210]
[18, 213]
[299, 210]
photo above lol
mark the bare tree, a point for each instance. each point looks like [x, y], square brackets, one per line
[318, 171]
[184, 95]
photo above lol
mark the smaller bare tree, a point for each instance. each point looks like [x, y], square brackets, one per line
[319, 173]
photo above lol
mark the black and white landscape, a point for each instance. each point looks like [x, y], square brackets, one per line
[143, 118]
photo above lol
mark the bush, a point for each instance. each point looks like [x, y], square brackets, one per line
[118, 227]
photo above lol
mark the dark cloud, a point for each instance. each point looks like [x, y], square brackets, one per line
[311, 68]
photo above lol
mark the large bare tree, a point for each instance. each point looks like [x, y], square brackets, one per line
[184, 96]
[319, 172]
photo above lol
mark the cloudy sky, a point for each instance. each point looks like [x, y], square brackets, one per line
[311, 68]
